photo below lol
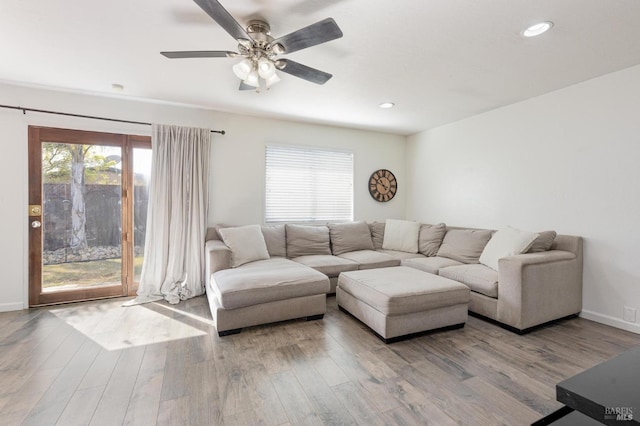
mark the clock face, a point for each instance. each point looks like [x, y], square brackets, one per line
[382, 185]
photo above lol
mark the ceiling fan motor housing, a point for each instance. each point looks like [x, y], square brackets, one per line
[260, 45]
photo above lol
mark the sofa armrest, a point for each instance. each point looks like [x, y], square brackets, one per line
[217, 257]
[535, 288]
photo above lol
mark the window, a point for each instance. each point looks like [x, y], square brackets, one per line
[308, 185]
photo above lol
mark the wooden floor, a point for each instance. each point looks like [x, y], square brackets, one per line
[100, 363]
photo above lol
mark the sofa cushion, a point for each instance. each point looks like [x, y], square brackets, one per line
[464, 245]
[377, 234]
[400, 290]
[246, 244]
[401, 254]
[479, 278]
[543, 242]
[305, 240]
[212, 234]
[329, 265]
[369, 259]
[401, 235]
[350, 236]
[266, 281]
[504, 243]
[430, 238]
[430, 264]
[276, 240]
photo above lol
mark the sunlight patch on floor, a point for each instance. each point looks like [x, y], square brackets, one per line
[114, 327]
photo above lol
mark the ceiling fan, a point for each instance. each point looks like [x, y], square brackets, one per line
[261, 52]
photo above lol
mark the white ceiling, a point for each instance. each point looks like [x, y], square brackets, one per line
[438, 60]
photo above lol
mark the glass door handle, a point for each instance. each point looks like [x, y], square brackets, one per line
[36, 224]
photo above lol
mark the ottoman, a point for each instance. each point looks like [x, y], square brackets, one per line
[400, 301]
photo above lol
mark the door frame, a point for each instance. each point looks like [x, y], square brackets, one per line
[39, 135]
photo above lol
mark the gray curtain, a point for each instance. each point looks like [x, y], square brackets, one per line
[173, 267]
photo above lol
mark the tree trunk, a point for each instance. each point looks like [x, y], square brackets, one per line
[78, 238]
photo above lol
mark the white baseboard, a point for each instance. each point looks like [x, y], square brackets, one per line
[6, 307]
[612, 321]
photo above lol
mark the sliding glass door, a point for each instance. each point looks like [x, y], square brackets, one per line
[87, 214]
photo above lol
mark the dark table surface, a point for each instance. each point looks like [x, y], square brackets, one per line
[608, 392]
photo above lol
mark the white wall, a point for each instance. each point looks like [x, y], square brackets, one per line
[239, 166]
[237, 163]
[567, 161]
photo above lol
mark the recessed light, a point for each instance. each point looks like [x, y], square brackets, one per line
[537, 29]
[117, 87]
[387, 105]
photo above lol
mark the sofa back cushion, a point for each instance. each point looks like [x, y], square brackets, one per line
[350, 236]
[377, 234]
[246, 244]
[304, 240]
[212, 234]
[401, 235]
[543, 242]
[430, 238]
[464, 245]
[276, 240]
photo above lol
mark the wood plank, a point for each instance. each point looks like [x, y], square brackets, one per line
[145, 397]
[58, 395]
[173, 412]
[115, 399]
[101, 369]
[450, 395]
[330, 372]
[325, 402]
[81, 407]
[352, 398]
[502, 403]
[296, 404]
[204, 406]
[21, 403]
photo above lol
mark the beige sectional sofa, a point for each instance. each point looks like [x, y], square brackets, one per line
[290, 276]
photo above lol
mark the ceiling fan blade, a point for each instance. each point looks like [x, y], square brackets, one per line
[199, 54]
[320, 32]
[307, 73]
[223, 18]
[244, 86]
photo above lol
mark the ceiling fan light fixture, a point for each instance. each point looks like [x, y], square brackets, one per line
[266, 68]
[272, 80]
[243, 68]
[252, 79]
[537, 29]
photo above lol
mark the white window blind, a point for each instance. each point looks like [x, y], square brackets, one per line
[308, 185]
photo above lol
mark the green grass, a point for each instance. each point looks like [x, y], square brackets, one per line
[95, 272]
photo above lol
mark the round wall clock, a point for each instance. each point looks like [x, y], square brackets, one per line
[382, 185]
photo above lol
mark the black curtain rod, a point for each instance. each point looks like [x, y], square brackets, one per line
[24, 111]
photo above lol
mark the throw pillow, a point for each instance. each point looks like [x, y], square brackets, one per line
[377, 234]
[350, 236]
[543, 242]
[246, 244]
[401, 235]
[504, 243]
[276, 240]
[464, 245]
[430, 238]
[305, 240]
